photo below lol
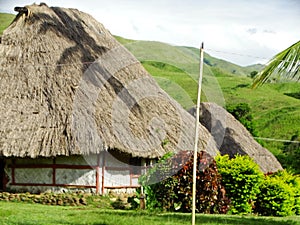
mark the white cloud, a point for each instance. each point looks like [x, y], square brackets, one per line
[259, 28]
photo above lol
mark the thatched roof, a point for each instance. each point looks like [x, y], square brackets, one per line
[233, 138]
[67, 87]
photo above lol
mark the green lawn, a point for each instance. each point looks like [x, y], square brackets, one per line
[26, 214]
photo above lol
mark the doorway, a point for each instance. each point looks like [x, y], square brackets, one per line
[2, 176]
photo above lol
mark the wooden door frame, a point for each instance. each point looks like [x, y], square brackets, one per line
[2, 174]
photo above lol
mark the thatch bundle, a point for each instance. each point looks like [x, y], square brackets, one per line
[67, 87]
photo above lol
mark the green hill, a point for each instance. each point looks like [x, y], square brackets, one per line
[275, 107]
[187, 55]
[5, 20]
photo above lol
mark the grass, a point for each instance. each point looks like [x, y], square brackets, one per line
[5, 20]
[176, 82]
[27, 214]
[123, 40]
[276, 114]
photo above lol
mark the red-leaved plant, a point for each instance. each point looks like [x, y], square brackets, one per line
[174, 191]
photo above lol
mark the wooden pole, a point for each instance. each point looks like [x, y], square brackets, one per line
[197, 135]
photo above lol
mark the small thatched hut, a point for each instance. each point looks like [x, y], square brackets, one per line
[77, 109]
[233, 138]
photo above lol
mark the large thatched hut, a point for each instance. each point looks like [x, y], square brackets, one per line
[77, 109]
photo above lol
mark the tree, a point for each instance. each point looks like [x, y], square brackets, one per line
[242, 112]
[285, 64]
[253, 74]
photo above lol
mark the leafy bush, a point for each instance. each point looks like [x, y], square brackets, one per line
[294, 182]
[175, 192]
[280, 195]
[241, 177]
[276, 198]
[151, 183]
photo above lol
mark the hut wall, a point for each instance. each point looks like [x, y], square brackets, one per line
[94, 173]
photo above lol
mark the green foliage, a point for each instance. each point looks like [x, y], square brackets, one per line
[275, 198]
[134, 201]
[294, 182]
[153, 178]
[285, 64]
[241, 177]
[279, 195]
[174, 193]
[291, 150]
[242, 112]
[253, 74]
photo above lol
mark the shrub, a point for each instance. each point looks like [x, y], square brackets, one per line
[280, 195]
[276, 198]
[294, 182]
[175, 192]
[241, 177]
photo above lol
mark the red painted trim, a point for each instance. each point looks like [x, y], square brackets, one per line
[98, 174]
[103, 171]
[73, 185]
[117, 187]
[57, 185]
[66, 166]
[55, 166]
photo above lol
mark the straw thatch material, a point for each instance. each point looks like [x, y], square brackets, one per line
[55, 101]
[233, 138]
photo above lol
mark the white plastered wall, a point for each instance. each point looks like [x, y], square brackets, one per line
[116, 174]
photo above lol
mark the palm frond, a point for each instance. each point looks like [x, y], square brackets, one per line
[285, 64]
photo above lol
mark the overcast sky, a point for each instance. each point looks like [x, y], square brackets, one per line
[259, 28]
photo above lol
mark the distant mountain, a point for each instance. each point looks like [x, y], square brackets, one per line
[143, 49]
[226, 66]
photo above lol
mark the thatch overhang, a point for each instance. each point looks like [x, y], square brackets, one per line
[67, 87]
